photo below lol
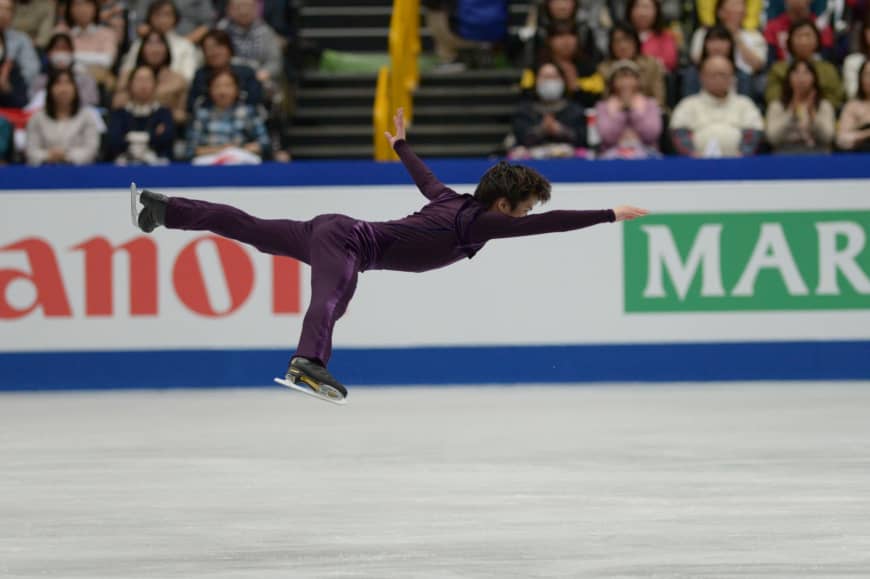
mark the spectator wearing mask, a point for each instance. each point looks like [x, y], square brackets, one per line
[227, 122]
[625, 45]
[629, 122]
[801, 121]
[856, 60]
[142, 132]
[18, 46]
[750, 54]
[717, 42]
[36, 18]
[853, 133]
[60, 55]
[62, 132]
[562, 48]
[96, 46]
[803, 44]
[163, 17]
[13, 91]
[551, 118]
[217, 47]
[171, 89]
[777, 33]
[255, 43]
[656, 41]
[717, 122]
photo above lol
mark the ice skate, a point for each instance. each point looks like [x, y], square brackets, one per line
[153, 212]
[313, 379]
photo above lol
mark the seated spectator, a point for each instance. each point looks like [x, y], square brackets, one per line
[551, 118]
[717, 122]
[853, 134]
[171, 86]
[194, 17]
[36, 19]
[777, 33]
[96, 46]
[750, 55]
[625, 45]
[60, 55]
[143, 131]
[717, 42]
[856, 60]
[562, 48]
[254, 42]
[709, 14]
[19, 47]
[584, 17]
[13, 90]
[656, 41]
[629, 123]
[802, 121]
[163, 17]
[227, 123]
[63, 132]
[803, 43]
[217, 47]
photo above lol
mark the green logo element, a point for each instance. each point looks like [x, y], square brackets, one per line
[815, 260]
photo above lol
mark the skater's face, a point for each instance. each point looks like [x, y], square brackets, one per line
[502, 205]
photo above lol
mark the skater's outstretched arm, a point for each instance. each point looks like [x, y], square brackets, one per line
[495, 225]
[426, 181]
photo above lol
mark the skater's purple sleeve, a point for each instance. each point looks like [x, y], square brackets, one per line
[493, 225]
[426, 181]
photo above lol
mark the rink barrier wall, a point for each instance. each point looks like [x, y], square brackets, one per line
[823, 352]
[479, 365]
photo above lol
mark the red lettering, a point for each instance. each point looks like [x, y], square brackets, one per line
[285, 286]
[189, 282]
[99, 276]
[45, 277]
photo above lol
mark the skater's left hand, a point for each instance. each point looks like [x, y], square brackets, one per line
[399, 121]
[628, 212]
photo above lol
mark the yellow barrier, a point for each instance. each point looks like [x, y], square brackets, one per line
[396, 86]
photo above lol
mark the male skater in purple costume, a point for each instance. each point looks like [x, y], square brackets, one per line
[337, 247]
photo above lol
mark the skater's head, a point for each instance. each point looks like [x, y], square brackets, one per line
[512, 189]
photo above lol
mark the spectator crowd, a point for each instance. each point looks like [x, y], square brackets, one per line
[143, 81]
[209, 81]
[730, 78]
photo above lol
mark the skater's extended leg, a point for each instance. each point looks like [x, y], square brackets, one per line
[273, 236]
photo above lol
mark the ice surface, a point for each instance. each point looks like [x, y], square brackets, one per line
[731, 481]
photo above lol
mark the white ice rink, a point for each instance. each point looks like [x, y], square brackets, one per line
[728, 481]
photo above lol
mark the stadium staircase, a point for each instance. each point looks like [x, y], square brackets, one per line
[456, 114]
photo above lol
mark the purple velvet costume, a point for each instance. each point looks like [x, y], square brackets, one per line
[337, 247]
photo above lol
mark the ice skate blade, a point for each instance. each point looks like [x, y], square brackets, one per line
[134, 205]
[308, 392]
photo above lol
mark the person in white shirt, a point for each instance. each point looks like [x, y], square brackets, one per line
[717, 122]
[163, 17]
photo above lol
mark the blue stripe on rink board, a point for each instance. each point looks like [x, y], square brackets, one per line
[456, 171]
[835, 360]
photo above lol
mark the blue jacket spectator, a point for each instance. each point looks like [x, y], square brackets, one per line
[143, 131]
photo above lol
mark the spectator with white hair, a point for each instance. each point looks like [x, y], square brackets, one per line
[717, 122]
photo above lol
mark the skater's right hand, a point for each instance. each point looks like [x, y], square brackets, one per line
[399, 121]
[628, 212]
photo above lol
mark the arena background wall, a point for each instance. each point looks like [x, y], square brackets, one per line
[754, 269]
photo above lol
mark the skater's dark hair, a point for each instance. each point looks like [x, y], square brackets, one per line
[513, 182]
